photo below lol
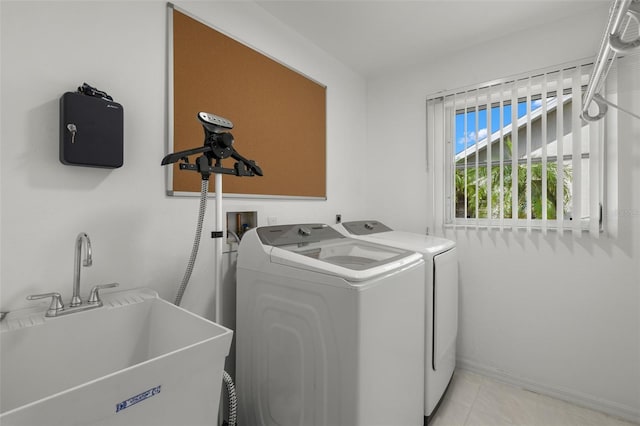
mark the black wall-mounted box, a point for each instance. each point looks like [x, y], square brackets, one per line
[91, 131]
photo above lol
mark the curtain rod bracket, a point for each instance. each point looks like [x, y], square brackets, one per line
[602, 109]
[612, 43]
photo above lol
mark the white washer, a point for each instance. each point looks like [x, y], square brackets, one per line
[441, 283]
[329, 330]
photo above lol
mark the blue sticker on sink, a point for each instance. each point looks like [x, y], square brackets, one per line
[139, 397]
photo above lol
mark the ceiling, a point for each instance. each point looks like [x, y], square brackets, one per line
[372, 36]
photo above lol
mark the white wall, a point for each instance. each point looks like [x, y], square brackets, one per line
[558, 315]
[140, 237]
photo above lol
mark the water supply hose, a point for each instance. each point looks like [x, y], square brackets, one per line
[233, 399]
[228, 381]
[204, 189]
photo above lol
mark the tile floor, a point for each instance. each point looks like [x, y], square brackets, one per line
[474, 400]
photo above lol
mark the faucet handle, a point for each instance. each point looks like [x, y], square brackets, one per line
[56, 302]
[94, 295]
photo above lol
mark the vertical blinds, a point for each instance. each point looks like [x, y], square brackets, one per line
[518, 153]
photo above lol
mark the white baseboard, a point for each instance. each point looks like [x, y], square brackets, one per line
[588, 401]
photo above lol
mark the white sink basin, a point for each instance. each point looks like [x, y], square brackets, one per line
[138, 360]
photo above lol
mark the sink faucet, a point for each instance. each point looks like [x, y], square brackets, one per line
[56, 307]
[81, 239]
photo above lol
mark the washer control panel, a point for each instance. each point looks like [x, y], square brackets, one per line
[282, 235]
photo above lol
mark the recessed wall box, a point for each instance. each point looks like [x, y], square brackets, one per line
[91, 131]
[239, 223]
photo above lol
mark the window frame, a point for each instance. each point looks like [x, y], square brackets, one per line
[569, 78]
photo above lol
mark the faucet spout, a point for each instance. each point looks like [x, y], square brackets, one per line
[81, 240]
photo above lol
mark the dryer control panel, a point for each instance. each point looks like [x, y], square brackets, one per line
[365, 227]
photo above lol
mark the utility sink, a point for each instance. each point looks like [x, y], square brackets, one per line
[137, 360]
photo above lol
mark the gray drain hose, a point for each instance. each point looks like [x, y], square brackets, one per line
[228, 381]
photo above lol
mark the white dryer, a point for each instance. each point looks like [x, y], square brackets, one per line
[441, 308]
[327, 330]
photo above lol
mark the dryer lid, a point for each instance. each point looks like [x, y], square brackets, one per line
[426, 244]
[377, 232]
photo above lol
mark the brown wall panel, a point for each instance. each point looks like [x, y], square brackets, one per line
[279, 115]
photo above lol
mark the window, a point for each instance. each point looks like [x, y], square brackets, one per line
[518, 154]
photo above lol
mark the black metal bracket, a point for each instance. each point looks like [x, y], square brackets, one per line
[217, 146]
[204, 167]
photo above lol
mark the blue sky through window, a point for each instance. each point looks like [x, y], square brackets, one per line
[469, 135]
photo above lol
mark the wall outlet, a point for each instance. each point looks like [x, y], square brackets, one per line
[338, 218]
[272, 220]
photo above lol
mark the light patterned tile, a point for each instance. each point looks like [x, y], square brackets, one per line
[614, 421]
[492, 403]
[464, 387]
[554, 412]
[507, 404]
[480, 417]
[450, 413]
[469, 376]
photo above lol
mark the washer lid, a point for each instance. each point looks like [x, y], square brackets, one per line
[322, 249]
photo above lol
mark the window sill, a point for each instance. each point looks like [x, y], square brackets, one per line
[522, 225]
